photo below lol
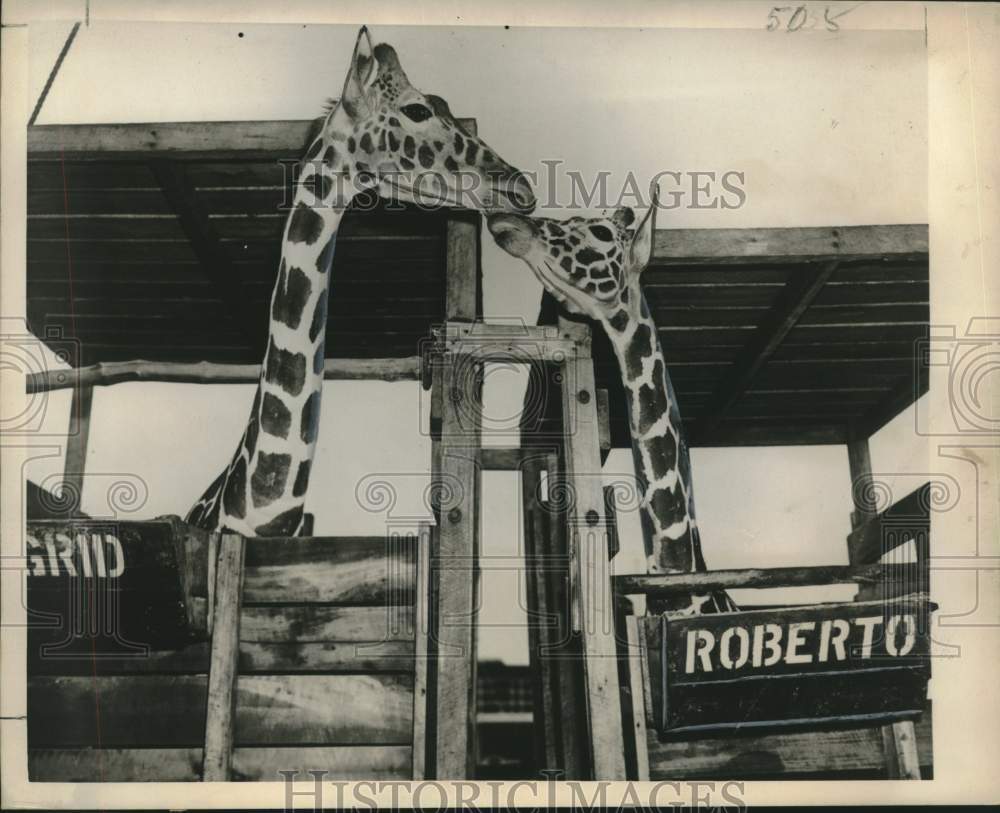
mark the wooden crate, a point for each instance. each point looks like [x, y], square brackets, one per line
[326, 675]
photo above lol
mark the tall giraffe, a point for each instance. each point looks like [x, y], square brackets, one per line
[382, 135]
[592, 267]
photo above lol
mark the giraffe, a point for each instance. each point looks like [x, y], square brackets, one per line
[382, 135]
[592, 267]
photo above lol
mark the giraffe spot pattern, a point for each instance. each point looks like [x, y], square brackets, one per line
[268, 481]
[309, 427]
[275, 417]
[587, 255]
[306, 226]
[366, 143]
[668, 505]
[318, 317]
[426, 155]
[470, 152]
[250, 437]
[652, 401]
[450, 164]
[619, 320]
[639, 348]
[409, 147]
[234, 498]
[290, 296]
[676, 553]
[662, 452]
[393, 142]
[301, 478]
[459, 144]
[325, 259]
[319, 358]
[285, 524]
[285, 369]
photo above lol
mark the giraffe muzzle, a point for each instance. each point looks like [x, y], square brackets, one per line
[515, 234]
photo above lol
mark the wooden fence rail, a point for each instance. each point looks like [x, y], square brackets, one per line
[206, 372]
[763, 577]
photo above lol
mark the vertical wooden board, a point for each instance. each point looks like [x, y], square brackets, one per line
[636, 656]
[455, 592]
[219, 718]
[546, 722]
[462, 267]
[419, 762]
[587, 527]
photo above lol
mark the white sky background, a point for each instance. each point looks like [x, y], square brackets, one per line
[829, 129]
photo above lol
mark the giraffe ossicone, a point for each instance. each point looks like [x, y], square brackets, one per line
[385, 135]
[592, 267]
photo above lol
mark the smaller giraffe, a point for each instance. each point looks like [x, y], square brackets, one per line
[592, 267]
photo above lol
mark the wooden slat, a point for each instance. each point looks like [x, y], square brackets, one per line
[595, 599]
[462, 267]
[204, 243]
[778, 756]
[220, 714]
[421, 652]
[788, 244]
[347, 570]
[376, 762]
[457, 537]
[786, 313]
[706, 581]
[318, 623]
[208, 139]
[254, 657]
[636, 655]
[157, 710]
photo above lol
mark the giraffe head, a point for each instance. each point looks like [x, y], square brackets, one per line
[386, 134]
[590, 265]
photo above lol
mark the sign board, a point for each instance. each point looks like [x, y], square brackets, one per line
[111, 589]
[850, 664]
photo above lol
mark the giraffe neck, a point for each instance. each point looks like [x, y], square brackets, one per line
[262, 492]
[661, 456]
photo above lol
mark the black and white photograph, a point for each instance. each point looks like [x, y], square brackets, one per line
[581, 404]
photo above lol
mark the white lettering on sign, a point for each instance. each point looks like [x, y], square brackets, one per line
[798, 642]
[97, 554]
[699, 644]
[892, 630]
[725, 647]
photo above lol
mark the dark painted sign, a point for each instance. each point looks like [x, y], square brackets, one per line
[99, 589]
[845, 664]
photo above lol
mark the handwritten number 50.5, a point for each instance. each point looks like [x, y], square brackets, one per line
[795, 18]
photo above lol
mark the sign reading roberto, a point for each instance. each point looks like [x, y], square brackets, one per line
[857, 663]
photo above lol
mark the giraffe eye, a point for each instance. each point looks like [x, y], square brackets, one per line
[417, 112]
[602, 233]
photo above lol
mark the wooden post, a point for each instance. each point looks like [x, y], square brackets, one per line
[899, 740]
[222, 675]
[587, 529]
[421, 633]
[78, 436]
[547, 725]
[636, 654]
[456, 469]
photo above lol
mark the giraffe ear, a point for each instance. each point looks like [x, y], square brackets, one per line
[362, 70]
[642, 241]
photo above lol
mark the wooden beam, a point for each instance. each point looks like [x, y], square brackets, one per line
[78, 436]
[859, 462]
[636, 655]
[457, 547]
[798, 295]
[587, 528]
[207, 372]
[788, 245]
[222, 675]
[183, 139]
[758, 577]
[462, 268]
[207, 247]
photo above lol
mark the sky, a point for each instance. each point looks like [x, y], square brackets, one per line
[829, 130]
